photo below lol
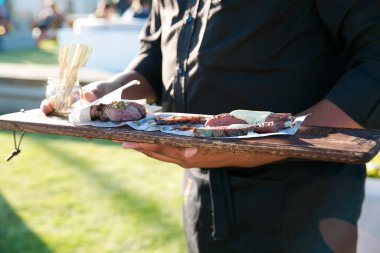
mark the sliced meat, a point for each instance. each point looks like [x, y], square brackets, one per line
[236, 130]
[184, 128]
[266, 127]
[117, 111]
[180, 119]
[224, 119]
[280, 119]
[226, 125]
[220, 131]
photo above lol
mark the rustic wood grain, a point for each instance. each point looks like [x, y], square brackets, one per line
[315, 143]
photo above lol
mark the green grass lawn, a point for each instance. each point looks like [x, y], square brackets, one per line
[47, 53]
[373, 167]
[64, 194]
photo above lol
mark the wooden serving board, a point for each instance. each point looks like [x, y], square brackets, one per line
[315, 143]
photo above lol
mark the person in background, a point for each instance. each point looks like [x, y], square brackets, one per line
[139, 9]
[104, 10]
[5, 17]
[214, 56]
[122, 6]
[47, 21]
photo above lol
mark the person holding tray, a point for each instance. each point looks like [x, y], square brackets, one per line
[214, 56]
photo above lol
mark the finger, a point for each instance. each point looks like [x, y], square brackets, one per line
[90, 96]
[161, 157]
[46, 107]
[96, 90]
[140, 146]
[179, 154]
[168, 151]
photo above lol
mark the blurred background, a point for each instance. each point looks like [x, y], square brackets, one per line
[65, 194]
[31, 33]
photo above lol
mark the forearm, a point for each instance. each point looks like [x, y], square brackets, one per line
[144, 90]
[326, 113]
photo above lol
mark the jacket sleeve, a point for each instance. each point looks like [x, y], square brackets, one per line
[355, 25]
[149, 60]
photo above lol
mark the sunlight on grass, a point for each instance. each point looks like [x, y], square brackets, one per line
[50, 46]
[70, 195]
[373, 167]
[47, 53]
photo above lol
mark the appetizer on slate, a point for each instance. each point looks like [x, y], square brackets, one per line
[181, 119]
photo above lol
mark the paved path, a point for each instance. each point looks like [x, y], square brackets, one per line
[41, 72]
[22, 86]
[369, 222]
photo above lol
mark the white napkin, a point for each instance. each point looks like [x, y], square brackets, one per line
[80, 114]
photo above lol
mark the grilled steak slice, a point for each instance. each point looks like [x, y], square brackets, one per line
[220, 131]
[266, 127]
[236, 130]
[180, 119]
[228, 125]
[224, 119]
[184, 128]
[117, 111]
[280, 119]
